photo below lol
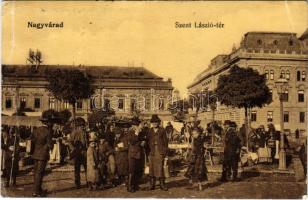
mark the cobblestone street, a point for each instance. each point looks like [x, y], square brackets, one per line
[61, 184]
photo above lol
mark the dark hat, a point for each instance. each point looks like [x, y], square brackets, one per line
[155, 119]
[135, 121]
[228, 122]
[80, 121]
[233, 124]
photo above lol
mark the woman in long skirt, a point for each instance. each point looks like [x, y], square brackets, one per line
[197, 171]
[92, 163]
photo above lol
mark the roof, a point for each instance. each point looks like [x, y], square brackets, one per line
[95, 71]
[271, 41]
[304, 35]
[269, 33]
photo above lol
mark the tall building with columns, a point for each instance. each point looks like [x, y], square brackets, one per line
[124, 89]
[274, 54]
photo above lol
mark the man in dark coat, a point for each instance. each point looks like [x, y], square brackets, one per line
[169, 131]
[121, 154]
[135, 152]
[78, 146]
[157, 142]
[10, 149]
[232, 149]
[42, 141]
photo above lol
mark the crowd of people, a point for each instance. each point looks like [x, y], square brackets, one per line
[122, 152]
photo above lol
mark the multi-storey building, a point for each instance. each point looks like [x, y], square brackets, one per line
[274, 54]
[125, 89]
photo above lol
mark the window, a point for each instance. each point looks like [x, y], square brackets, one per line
[37, 102]
[270, 116]
[259, 42]
[161, 104]
[23, 102]
[271, 93]
[253, 116]
[275, 42]
[291, 42]
[282, 74]
[266, 74]
[79, 104]
[303, 75]
[288, 75]
[133, 104]
[148, 104]
[286, 96]
[8, 102]
[92, 103]
[301, 97]
[286, 117]
[272, 74]
[302, 117]
[106, 104]
[121, 104]
[52, 102]
[66, 105]
[140, 103]
[298, 75]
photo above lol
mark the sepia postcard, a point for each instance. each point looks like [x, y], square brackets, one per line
[154, 99]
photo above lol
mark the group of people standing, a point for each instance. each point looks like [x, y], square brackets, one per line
[122, 154]
[121, 157]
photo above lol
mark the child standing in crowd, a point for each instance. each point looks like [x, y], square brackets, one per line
[197, 170]
[92, 163]
[104, 151]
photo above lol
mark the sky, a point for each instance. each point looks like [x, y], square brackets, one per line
[141, 33]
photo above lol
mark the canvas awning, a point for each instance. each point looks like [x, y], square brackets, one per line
[21, 121]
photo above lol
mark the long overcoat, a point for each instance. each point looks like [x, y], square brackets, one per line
[42, 140]
[158, 147]
[121, 154]
[92, 164]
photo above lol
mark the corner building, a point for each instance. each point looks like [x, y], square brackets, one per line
[274, 54]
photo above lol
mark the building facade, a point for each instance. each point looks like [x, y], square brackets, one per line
[124, 89]
[274, 54]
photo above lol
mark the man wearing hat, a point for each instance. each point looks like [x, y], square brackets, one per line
[232, 147]
[78, 146]
[157, 142]
[42, 141]
[135, 154]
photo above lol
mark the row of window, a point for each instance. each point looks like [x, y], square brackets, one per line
[275, 42]
[134, 104]
[300, 96]
[270, 115]
[300, 75]
[22, 102]
[52, 103]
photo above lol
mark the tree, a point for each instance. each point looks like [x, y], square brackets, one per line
[211, 102]
[35, 58]
[243, 88]
[64, 116]
[70, 85]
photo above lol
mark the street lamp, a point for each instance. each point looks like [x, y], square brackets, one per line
[282, 86]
